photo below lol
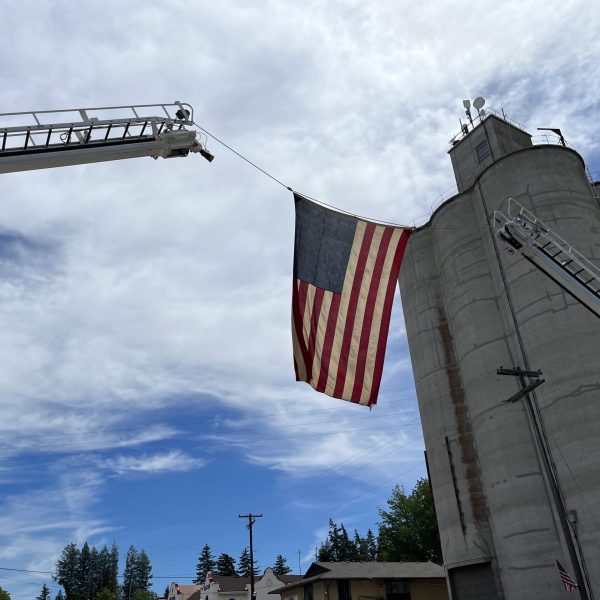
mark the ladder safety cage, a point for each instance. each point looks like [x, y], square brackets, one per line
[51, 138]
[550, 253]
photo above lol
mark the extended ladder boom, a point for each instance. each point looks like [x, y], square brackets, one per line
[46, 139]
[551, 254]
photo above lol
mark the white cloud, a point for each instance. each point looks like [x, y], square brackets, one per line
[173, 460]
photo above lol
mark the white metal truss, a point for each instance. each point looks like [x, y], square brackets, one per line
[56, 138]
[550, 253]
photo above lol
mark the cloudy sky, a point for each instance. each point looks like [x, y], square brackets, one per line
[147, 390]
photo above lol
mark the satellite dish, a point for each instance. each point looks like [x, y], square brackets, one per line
[479, 102]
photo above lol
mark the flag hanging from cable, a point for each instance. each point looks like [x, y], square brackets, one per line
[345, 273]
[569, 583]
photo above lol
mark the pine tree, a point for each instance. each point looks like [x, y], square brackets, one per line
[281, 567]
[4, 595]
[67, 567]
[84, 573]
[113, 569]
[107, 565]
[95, 574]
[129, 573]
[44, 593]
[339, 547]
[244, 564]
[360, 544]
[226, 565]
[143, 571]
[371, 546]
[59, 596]
[206, 563]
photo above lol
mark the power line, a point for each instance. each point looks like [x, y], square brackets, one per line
[52, 573]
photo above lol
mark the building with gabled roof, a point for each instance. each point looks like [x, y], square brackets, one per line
[368, 581]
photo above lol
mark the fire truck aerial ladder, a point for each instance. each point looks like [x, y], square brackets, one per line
[58, 138]
[550, 253]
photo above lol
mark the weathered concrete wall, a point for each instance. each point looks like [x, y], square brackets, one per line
[489, 488]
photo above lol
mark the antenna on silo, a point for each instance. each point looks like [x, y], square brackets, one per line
[479, 103]
[467, 105]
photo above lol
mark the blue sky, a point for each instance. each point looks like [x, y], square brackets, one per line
[147, 391]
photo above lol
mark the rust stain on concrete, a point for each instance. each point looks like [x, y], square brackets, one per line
[468, 453]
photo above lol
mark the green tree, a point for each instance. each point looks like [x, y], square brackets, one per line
[365, 547]
[4, 595]
[85, 573]
[107, 568]
[44, 593]
[244, 564]
[408, 530]
[143, 571]
[105, 594]
[226, 565]
[206, 562]
[129, 573]
[59, 596]
[281, 567]
[141, 594]
[67, 568]
[338, 547]
[371, 546]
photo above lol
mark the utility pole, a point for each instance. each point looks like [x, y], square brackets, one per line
[251, 519]
[542, 441]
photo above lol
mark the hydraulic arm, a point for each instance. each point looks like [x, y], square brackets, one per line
[552, 255]
[47, 139]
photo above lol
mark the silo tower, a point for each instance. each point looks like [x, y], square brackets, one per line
[516, 485]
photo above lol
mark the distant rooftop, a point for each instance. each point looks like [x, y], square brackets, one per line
[367, 570]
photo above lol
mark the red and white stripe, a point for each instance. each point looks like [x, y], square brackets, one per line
[339, 340]
[569, 583]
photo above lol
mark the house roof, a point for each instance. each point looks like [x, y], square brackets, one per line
[230, 583]
[185, 591]
[288, 578]
[366, 570]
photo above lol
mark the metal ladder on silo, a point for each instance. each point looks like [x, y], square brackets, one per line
[550, 253]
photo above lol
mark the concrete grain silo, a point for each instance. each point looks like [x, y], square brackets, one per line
[471, 305]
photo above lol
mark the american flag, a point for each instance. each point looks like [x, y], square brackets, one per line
[569, 583]
[345, 272]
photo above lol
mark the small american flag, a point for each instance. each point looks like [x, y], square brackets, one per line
[345, 272]
[569, 583]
